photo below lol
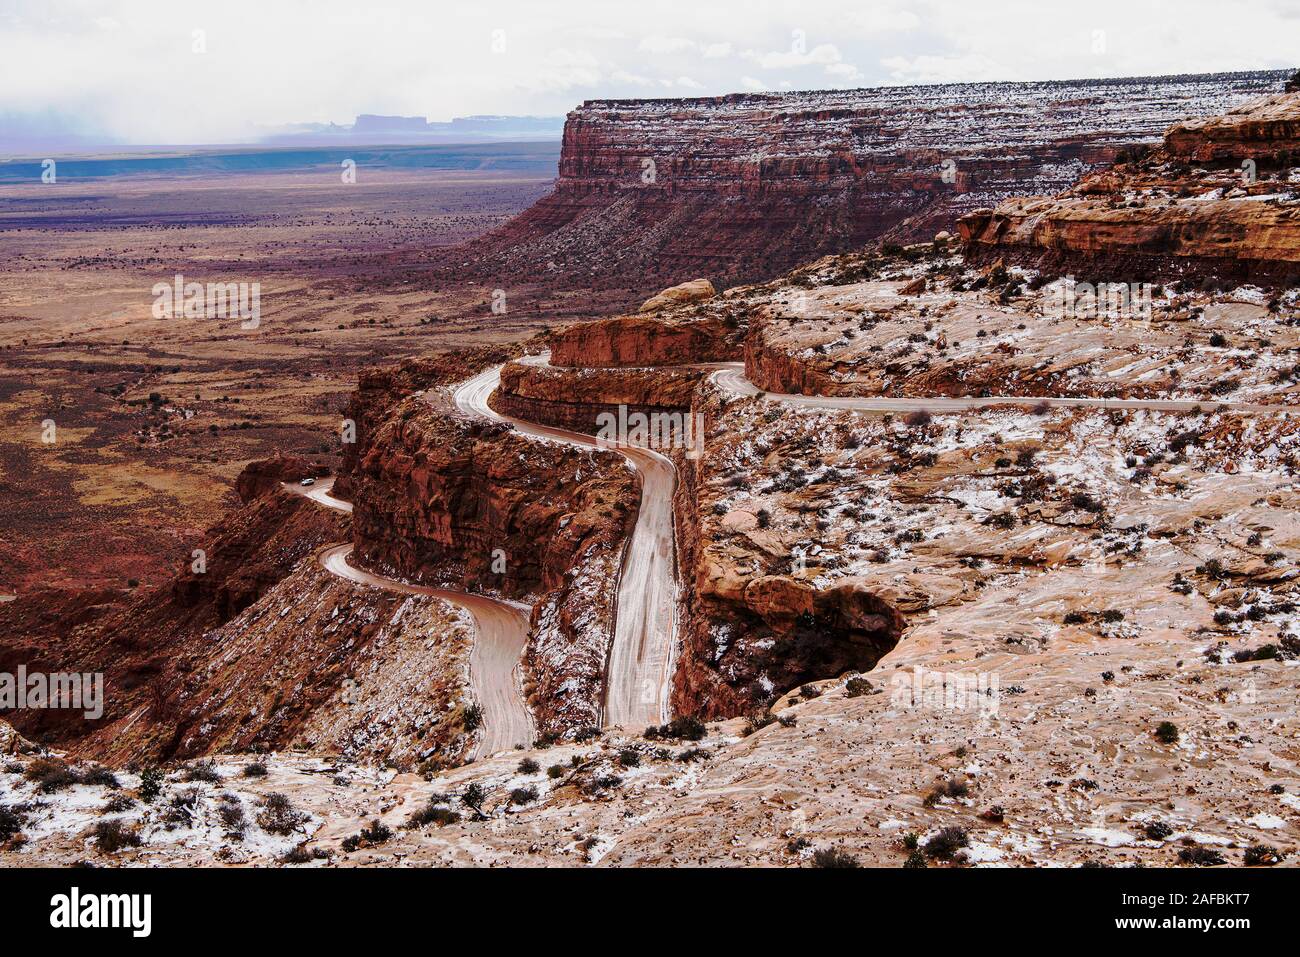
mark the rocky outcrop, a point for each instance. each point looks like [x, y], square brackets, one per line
[743, 187]
[646, 341]
[1188, 239]
[379, 391]
[696, 290]
[1219, 200]
[442, 499]
[750, 636]
[773, 368]
[1258, 130]
[576, 398]
[363, 673]
[11, 742]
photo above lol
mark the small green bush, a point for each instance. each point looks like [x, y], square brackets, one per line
[279, 816]
[857, 687]
[833, 857]
[1261, 855]
[433, 813]
[377, 833]
[151, 784]
[687, 728]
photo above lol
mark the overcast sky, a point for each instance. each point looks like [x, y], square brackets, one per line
[138, 71]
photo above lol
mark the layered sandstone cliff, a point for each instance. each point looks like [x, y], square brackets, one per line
[264, 475]
[652, 192]
[755, 626]
[379, 390]
[1256, 130]
[642, 340]
[1219, 199]
[578, 398]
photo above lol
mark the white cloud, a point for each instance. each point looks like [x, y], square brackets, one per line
[939, 69]
[844, 72]
[563, 70]
[635, 79]
[882, 18]
[666, 45]
[777, 59]
[126, 66]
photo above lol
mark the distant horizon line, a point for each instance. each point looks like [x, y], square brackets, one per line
[285, 137]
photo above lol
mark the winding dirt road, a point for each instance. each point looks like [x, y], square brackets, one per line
[641, 657]
[501, 632]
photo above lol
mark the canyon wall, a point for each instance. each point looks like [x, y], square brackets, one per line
[379, 391]
[742, 187]
[750, 634]
[576, 398]
[630, 341]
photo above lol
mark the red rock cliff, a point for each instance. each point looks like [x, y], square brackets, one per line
[745, 186]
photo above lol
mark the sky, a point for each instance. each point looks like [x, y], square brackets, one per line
[184, 72]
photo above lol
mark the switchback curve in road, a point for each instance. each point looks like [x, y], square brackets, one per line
[501, 632]
[642, 654]
[641, 657]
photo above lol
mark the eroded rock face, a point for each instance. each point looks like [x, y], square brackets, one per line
[380, 390]
[744, 187]
[1219, 199]
[753, 630]
[576, 399]
[375, 677]
[987, 331]
[11, 742]
[645, 341]
[1256, 130]
[150, 645]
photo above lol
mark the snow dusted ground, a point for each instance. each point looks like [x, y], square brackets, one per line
[197, 821]
[1012, 332]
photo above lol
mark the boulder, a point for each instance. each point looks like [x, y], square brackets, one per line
[697, 290]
